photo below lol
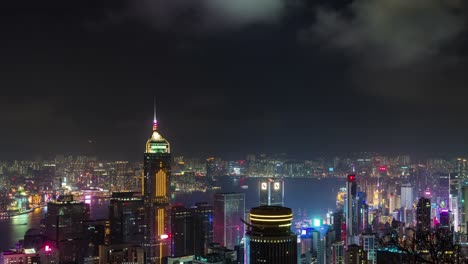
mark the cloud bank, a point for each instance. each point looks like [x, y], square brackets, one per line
[205, 15]
[400, 48]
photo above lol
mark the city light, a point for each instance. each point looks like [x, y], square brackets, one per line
[317, 222]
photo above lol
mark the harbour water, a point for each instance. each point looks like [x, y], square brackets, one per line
[307, 197]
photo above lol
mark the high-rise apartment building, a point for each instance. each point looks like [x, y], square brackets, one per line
[351, 210]
[64, 228]
[368, 244]
[423, 216]
[203, 228]
[269, 238]
[461, 168]
[271, 192]
[338, 256]
[228, 209]
[182, 231]
[355, 255]
[126, 216]
[156, 195]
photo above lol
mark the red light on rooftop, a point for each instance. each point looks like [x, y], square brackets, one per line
[351, 177]
[382, 168]
[47, 248]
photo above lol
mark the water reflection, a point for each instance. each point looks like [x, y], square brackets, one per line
[13, 229]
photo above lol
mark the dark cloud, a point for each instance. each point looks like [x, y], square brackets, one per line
[398, 48]
[206, 15]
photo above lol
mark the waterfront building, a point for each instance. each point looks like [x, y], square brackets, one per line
[64, 228]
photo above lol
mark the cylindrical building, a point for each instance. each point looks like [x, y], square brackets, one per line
[269, 237]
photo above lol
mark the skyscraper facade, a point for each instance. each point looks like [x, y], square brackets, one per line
[126, 216]
[229, 209]
[182, 231]
[269, 238]
[203, 228]
[156, 195]
[461, 168]
[338, 253]
[423, 216]
[407, 196]
[351, 210]
[63, 228]
[271, 192]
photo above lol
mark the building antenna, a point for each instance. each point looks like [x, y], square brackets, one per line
[155, 121]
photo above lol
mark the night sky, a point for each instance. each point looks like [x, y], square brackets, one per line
[233, 77]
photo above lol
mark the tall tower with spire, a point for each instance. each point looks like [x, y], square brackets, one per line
[156, 194]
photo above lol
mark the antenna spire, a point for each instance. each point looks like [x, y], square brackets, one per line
[155, 121]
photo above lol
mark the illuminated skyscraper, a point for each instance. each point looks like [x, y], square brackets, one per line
[271, 192]
[229, 209]
[351, 210]
[423, 217]
[155, 190]
[406, 200]
[269, 238]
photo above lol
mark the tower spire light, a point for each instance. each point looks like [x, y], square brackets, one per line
[155, 121]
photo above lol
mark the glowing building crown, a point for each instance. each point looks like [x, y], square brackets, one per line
[156, 143]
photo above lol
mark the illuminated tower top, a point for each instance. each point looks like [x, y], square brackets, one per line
[156, 143]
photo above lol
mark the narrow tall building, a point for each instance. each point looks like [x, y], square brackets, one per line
[269, 238]
[351, 210]
[407, 198]
[229, 209]
[156, 196]
[423, 217]
[203, 228]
